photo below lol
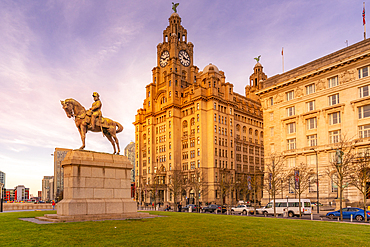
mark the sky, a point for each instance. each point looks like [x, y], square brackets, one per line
[57, 49]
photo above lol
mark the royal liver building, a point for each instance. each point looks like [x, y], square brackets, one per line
[196, 139]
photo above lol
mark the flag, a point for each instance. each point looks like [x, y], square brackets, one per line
[363, 16]
[282, 51]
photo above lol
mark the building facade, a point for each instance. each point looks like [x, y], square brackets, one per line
[2, 177]
[193, 127]
[47, 188]
[308, 110]
[59, 155]
[130, 153]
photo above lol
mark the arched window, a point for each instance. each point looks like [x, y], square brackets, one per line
[192, 121]
[185, 124]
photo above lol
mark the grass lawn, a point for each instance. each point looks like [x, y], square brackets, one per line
[181, 229]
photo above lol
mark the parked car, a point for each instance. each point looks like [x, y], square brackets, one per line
[210, 208]
[357, 213]
[243, 209]
[315, 203]
[281, 207]
[221, 209]
[186, 208]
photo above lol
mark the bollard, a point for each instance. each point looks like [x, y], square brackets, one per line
[351, 217]
[311, 216]
[247, 212]
[338, 218]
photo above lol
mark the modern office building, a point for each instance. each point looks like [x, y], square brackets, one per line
[59, 155]
[130, 153]
[47, 188]
[308, 110]
[193, 122]
[2, 177]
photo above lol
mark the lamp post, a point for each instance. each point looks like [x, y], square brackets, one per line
[317, 181]
[1, 197]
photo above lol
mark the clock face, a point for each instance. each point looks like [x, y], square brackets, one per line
[184, 58]
[164, 58]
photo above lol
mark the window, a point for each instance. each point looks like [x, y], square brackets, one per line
[290, 111]
[197, 106]
[290, 95]
[291, 128]
[310, 89]
[334, 99]
[312, 186]
[272, 131]
[312, 140]
[215, 117]
[334, 136]
[363, 72]
[311, 160]
[290, 162]
[291, 144]
[364, 91]
[334, 182]
[334, 118]
[311, 123]
[271, 116]
[198, 151]
[310, 105]
[271, 101]
[364, 131]
[332, 82]
[364, 111]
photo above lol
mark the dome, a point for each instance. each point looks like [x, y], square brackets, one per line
[175, 14]
[210, 68]
[258, 65]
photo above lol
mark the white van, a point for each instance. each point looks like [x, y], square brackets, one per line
[281, 207]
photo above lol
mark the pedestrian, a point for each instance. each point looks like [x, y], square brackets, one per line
[53, 204]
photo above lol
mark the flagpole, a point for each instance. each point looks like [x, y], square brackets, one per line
[364, 22]
[282, 54]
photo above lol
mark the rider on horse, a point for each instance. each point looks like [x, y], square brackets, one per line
[95, 110]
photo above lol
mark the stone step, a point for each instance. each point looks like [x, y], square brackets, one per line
[42, 218]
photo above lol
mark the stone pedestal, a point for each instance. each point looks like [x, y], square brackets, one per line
[96, 186]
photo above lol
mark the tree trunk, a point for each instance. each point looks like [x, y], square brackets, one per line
[340, 199]
[299, 205]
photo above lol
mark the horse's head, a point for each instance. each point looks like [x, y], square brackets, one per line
[68, 107]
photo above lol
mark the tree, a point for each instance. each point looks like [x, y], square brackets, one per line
[198, 184]
[360, 176]
[175, 184]
[224, 184]
[275, 174]
[302, 175]
[340, 164]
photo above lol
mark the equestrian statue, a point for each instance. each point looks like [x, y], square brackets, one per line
[92, 120]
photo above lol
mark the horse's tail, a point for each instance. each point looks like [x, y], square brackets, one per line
[120, 127]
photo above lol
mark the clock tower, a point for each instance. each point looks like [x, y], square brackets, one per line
[175, 70]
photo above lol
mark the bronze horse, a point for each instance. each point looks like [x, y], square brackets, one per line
[109, 127]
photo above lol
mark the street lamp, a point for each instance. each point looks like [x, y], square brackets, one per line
[1, 197]
[317, 181]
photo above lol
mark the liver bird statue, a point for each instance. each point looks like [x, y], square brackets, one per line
[174, 6]
[258, 58]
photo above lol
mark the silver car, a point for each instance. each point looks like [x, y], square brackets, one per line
[242, 209]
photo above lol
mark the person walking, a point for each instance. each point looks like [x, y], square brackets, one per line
[53, 204]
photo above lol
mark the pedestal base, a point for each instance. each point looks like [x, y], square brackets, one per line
[96, 186]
